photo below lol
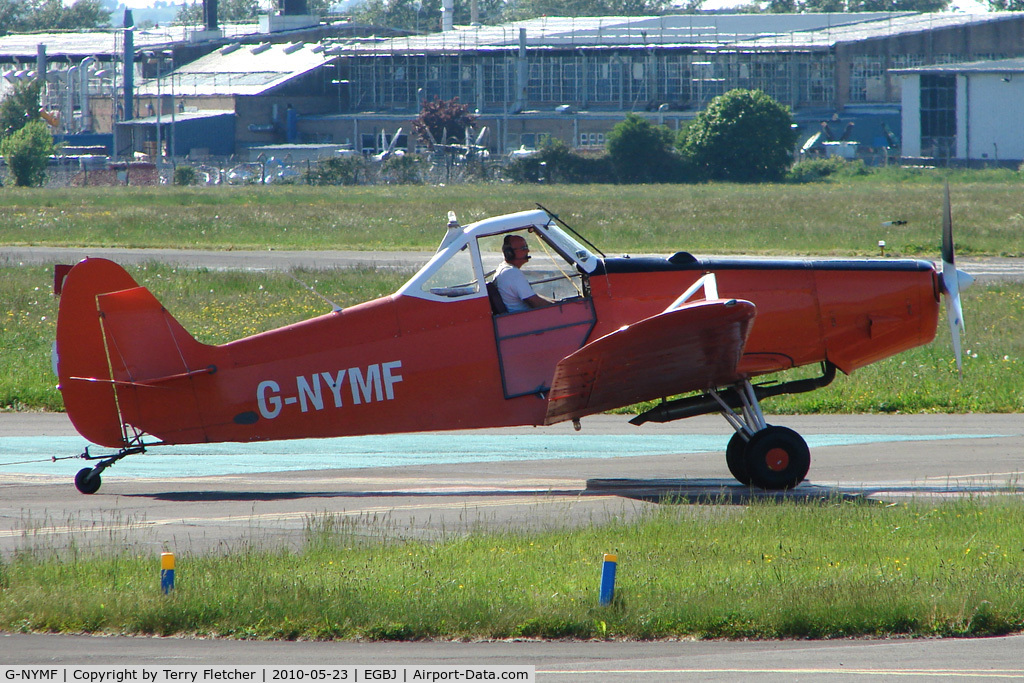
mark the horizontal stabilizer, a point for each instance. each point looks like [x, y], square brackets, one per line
[694, 347]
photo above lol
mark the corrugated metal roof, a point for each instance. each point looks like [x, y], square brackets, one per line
[179, 117]
[994, 66]
[239, 70]
[108, 42]
[895, 24]
[569, 32]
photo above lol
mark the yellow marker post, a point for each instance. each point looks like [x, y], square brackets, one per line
[166, 572]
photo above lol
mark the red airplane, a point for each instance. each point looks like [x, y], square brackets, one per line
[442, 354]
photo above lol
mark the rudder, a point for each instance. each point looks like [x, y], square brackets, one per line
[123, 359]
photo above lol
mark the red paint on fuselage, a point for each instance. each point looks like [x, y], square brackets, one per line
[405, 364]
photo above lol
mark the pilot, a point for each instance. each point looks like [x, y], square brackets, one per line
[515, 290]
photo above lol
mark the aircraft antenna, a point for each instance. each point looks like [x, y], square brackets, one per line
[334, 307]
[571, 229]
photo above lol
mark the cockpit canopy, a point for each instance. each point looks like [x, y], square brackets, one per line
[468, 257]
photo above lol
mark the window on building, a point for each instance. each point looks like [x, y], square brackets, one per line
[938, 115]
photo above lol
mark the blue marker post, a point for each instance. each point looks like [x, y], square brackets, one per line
[608, 578]
[166, 572]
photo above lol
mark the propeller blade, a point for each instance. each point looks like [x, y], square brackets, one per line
[394, 141]
[951, 280]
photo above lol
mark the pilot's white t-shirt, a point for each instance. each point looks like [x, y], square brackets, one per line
[513, 287]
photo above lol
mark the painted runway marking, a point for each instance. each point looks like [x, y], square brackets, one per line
[398, 450]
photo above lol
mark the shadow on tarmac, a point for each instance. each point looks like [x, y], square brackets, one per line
[661, 491]
[729, 492]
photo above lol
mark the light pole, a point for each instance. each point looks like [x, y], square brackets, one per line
[157, 58]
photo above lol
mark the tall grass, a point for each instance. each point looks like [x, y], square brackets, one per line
[767, 571]
[846, 216]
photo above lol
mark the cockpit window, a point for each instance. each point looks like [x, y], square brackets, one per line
[548, 272]
[455, 278]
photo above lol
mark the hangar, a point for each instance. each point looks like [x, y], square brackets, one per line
[570, 78]
[957, 112]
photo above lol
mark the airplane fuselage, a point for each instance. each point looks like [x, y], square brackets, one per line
[402, 364]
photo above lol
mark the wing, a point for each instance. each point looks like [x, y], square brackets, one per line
[694, 347]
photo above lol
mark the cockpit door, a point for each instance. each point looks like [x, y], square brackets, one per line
[531, 343]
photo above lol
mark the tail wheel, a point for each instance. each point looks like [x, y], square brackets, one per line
[735, 458]
[776, 458]
[87, 480]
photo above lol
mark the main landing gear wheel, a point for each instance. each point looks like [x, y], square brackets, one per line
[777, 458]
[735, 458]
[88, 480]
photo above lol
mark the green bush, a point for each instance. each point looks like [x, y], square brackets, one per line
[27, 152]
[742, 136]
[556, 163]
[402, 169]
[642, 152]
[347, 170]
[185, 175]
[816, 170]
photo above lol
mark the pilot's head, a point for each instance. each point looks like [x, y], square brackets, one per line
[515, 250]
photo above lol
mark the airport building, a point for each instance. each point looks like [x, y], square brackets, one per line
[299, 82]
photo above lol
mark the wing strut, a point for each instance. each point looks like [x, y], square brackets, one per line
[692, 406]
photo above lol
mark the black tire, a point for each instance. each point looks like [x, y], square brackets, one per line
[87, 480]
[777, 458]
[735, 459]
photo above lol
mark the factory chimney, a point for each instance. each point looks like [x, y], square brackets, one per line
[447, 15]
[129, 65]
[294, 8]
[210, 15]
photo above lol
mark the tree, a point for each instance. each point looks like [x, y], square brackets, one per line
[20, 106]
[26, 16]
[443, 122]
[642, 152]
[812, 6]
[519, 10]
[27, 152]
[422, 15]
[1005, 5]
[742, 136]
[239, 11]
[231, 11]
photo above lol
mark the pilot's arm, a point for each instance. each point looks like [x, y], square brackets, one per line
[516, 291]
[536, 301]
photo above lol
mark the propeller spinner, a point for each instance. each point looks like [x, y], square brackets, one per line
[953, 281]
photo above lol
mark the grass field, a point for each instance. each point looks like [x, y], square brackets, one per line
[833, 218]
[770, 570]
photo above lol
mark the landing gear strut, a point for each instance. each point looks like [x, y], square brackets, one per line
[760, 454]
[88, 478]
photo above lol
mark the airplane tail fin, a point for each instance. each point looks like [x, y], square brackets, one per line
[122, 360]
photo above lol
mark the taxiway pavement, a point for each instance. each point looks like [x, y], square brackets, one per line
[956, 455]
[937, 455]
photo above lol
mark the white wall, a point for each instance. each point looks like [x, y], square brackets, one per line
[910, 132]
[992, 119]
